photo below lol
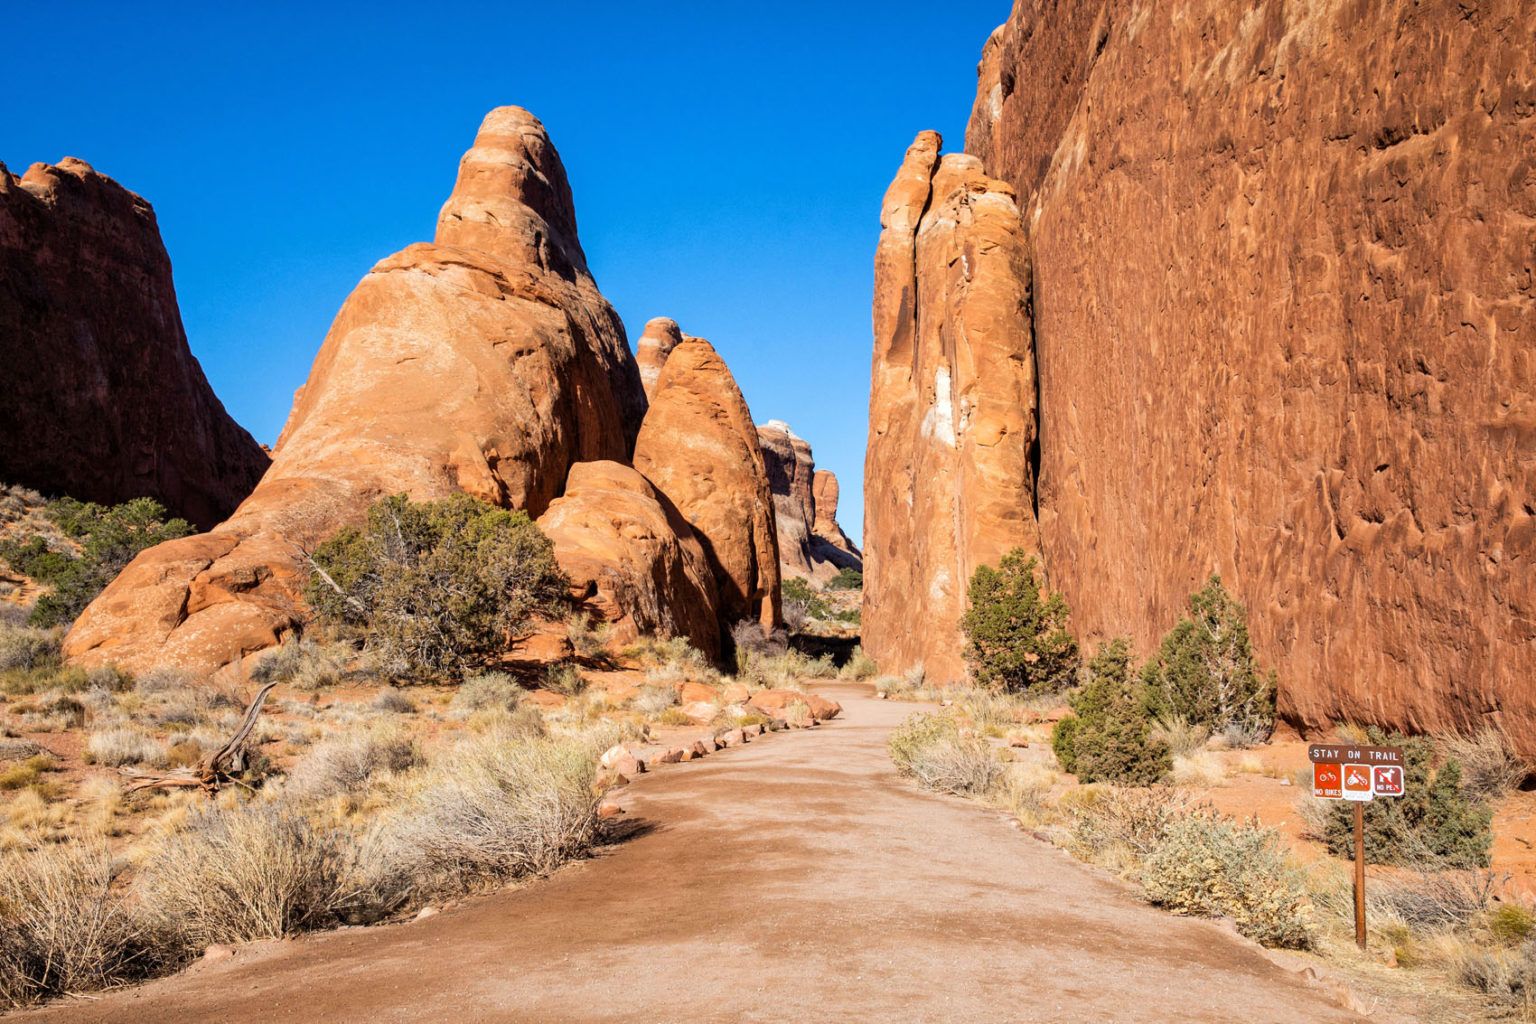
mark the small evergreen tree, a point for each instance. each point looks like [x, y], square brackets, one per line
[108, 539]
[437, 585]
[1108, 737]
[1205, 671]
[1016, 637]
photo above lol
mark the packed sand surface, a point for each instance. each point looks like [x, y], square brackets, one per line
[794, 879]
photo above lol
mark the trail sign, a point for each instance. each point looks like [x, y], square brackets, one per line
[1359, 773]
[1327, 782]
[1357, 782]
[1357, 753]
[1387, 780]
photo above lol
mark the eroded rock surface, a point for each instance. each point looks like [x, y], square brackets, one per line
[809, 547]
[660, 337]
[631, 557]
[486, 362]
[947, 478]
[698, 446]
[103, 400]
[1286, 326]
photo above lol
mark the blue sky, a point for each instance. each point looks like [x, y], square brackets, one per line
[727, 161]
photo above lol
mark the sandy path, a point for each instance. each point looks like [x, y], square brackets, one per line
[795, 879]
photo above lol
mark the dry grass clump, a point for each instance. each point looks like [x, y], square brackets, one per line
[18, 749]
[1181, 736]
[1109, 822]
[797, 713]
[26, 649]
[305, 664]
[393, 702]
[165, 680]
[1025, 792]
[858, 667]
[1488, 769]
[25, 774]
[587, 640]
[62, 928]
[934, 751]
[261, 871]
[486, 691]
[565, 679]
[653, 701]
[1506, 977]
[123, 745]
[348, 762]
[498, 807]
[1433, 900]
[51, 711]
[1199, 770]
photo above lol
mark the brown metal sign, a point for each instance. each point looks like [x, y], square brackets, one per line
[1354, 753]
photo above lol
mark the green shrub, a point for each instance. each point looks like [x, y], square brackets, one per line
[794, 589]
[1016, 637]
[933, 750]
[1109, 737]
[108, 539]
[436, 586]
[1211, 866]
[1205, 672]
[1434, 824]
[846, 579]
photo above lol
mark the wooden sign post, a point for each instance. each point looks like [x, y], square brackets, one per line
[1358, 773]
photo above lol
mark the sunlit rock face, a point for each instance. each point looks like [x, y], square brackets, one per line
[485, 362]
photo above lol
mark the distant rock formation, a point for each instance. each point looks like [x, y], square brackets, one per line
[102, 398]
[631, 557]
[487, 362]
[824, 498]
[947, 480]
[1284, 321]
[698, 447]
[808, 547]
[660, 337]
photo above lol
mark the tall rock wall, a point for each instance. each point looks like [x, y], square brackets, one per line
[102, 398]
[1285, 325]
[947, 479]
[486, 362]
[825, 527]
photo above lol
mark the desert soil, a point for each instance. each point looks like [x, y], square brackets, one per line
[794, 879]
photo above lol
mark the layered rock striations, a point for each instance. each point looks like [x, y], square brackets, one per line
[1285, 325]
[631, 557]
[811, 543]
[699, 448]
[948, 483]
[486, 362]
[103, 400]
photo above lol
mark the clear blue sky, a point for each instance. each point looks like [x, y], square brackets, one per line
[727, 159]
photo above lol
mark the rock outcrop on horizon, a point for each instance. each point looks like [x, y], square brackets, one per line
[825, 527]
[948, 484]
[486, 362]
[699, 448]
[632, 559]
[1285, 324]
[795, 484]
[660, 337]
[103, 400]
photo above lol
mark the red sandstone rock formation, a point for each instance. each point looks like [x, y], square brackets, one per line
[811, 544]
[486, 362]
[1286, 330]
[632, 559]
[698, 446]
[102, 398]
[660, 337]
[947, 479]
[824, 496]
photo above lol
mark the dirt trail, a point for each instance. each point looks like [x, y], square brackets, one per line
[795, 879]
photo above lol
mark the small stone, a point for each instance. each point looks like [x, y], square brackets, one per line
[216, 952]
[732, 738]
[426, 912]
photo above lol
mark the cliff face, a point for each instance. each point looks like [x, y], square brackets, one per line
[947, 479]
[811, 543]
[1285, 325]
[103, 400]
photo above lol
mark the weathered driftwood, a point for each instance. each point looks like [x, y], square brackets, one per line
[217, 768]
